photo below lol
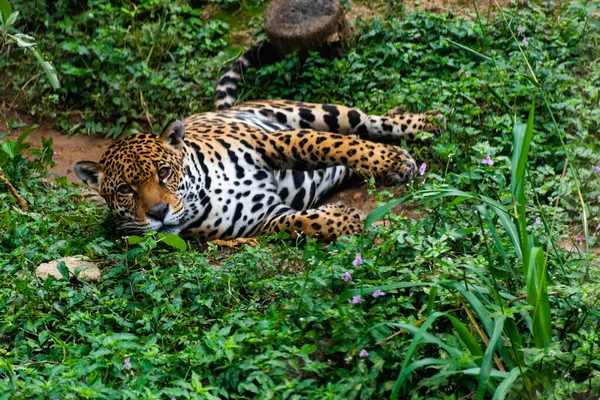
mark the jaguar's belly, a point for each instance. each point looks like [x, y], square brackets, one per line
[228, 194]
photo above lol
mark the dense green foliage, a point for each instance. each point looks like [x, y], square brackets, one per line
[481, 297]
[123, 66]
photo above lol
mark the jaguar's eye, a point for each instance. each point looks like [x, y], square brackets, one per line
[125, 189]
[164, 172]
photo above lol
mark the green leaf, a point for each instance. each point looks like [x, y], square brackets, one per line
[173, 240]
[6, 11]
[503, 388]
[522, 136]
[497, 96]
[507, 223]
[537, 296]
[467, 338]
[418, 339]
[47, 67]
[135, 239]
[64, 271]
[488, 357]
[381, 211]
[308, 349]
[432, 296]
[24, 40]
[482, 313]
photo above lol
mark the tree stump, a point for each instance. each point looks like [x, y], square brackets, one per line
[307, 25]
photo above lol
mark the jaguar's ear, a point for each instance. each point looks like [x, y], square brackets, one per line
[90, 173]
[173, 134]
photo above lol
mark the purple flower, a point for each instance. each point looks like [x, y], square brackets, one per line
[54, 156]
[538, 222]
[363, 353]
[598, 226]
[520, 29]
[347, 276]
[597, 168]
[579, 239]
[357, 260]
[378, 293]
[487, 160]
[479, 233]
[422, 169]
[356, 299]
[524, 42]
[127, 364]
[476, 212]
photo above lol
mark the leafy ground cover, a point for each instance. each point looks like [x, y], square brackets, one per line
[472, 294]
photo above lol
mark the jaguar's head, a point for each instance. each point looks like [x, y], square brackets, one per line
[139, 178]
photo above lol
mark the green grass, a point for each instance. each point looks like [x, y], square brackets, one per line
[481, 298]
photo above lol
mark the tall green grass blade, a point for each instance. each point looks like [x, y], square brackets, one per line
[484, 316]
[476, 53]
[468, 339]
[425, 362]
[494, 373]
[537, 296]
[521, 143]
[518, 138]
[499, 209]
[382, 211]
[432, 296]
[475, 304]
[430, 195]
[498, 63]
[492, 229]
[427, 338]
[507, 223]
[488, 357]
[414, 344]
[498, 97]
[595, 313]
[503, 388]
[511, 329]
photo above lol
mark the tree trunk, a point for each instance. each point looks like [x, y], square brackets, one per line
[307, 25]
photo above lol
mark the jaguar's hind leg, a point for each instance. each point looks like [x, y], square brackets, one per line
[327, 223]
[394, 125]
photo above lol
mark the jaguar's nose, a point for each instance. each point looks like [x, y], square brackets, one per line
[158, 211]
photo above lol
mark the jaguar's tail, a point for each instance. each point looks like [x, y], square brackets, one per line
[226, 90]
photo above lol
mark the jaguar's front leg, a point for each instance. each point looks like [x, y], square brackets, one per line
[304, 150]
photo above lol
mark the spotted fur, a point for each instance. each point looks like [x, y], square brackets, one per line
[256, 167]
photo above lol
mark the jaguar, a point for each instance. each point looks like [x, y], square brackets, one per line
[257, 167]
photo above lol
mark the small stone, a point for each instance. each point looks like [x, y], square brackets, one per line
[89, 270]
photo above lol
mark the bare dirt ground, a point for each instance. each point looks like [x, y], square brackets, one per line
[70, 149]
[462, 8]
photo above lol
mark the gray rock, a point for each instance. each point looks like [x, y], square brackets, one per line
[88, 270]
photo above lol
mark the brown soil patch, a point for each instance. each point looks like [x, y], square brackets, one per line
[465, 8]
[458, 7]
[68, 149]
